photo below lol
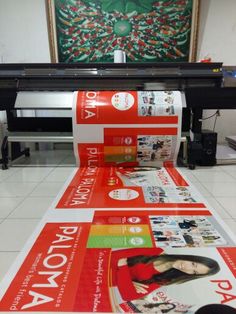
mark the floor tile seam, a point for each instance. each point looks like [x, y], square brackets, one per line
[24, 181]
[22, 218]
[210, 174]
[65, 166]
[9, 174]
[63, 160]
[37, 183]
[214, 211]
[16, 206]
[196, 188]
[212, 193]
[192, 173]
[218, 181]
[54, 181]
[226, 197]
[7, 217]
[29, 195]
[53, 168]
[9, 251]
[231, 219]
[229, 173]
[224, 168]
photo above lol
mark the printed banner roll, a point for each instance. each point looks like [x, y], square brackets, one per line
[127, 128]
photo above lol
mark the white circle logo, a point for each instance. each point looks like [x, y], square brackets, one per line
[122, 101]
[134, 220]
[128, 140]
[136, 241]
[135, 229]
[123, 194]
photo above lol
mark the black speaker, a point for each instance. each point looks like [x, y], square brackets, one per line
[209, 144]
[202, 149]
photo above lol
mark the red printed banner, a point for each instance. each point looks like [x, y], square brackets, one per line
[127, 127]
[129, 147]
[97, 266]
[49, 276]
[112, 187]
[93, 290]
[91, 155]
[229, 256]
[137, 131]
[176, 176]
[124, 107]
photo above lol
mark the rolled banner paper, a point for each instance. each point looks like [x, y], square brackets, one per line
[119, 56]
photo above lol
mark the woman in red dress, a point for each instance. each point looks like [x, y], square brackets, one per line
[137, 272]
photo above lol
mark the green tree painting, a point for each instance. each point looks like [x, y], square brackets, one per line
[147, 30]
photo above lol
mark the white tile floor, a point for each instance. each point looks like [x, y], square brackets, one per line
[30, 185]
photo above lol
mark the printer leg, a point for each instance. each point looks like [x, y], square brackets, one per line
[4, 151]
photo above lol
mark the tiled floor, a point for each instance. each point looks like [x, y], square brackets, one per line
[30, 185]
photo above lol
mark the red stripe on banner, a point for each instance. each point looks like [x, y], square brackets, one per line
[139, 131]
[229, 256]
[161, 205]
[176, 176]
[102, 213]
[168, 164]
[181, 205]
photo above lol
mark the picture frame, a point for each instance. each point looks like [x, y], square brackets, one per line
[90, 31]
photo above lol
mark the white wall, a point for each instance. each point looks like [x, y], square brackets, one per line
[217, 39]
[23, 31]
[24, 38]
[217, 31]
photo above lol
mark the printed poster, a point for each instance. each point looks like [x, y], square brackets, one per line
[63, 272]
[127, 127]
[133, 187]
[156, 228]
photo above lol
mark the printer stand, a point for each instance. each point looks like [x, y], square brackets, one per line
[15, 152]
[11, 144]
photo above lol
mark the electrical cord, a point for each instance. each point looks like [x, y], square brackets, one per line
[217, 113]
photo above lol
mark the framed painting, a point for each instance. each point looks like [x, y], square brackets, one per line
[146, 30]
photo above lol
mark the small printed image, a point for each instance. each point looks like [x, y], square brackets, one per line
[157, 194]
[156, 103]
[154, 194]
[140, 176]
[169, 100]
[167, 110]
[162, 222]
[168, 237]
[146, 98]
[153, 147]
[200, 222]
[184, 231]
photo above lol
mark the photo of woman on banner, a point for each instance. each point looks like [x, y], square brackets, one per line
[142, 306]
[137, 272]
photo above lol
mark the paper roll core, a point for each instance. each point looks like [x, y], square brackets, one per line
[119, 56]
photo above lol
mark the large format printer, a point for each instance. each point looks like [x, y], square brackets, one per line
[50, 87]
